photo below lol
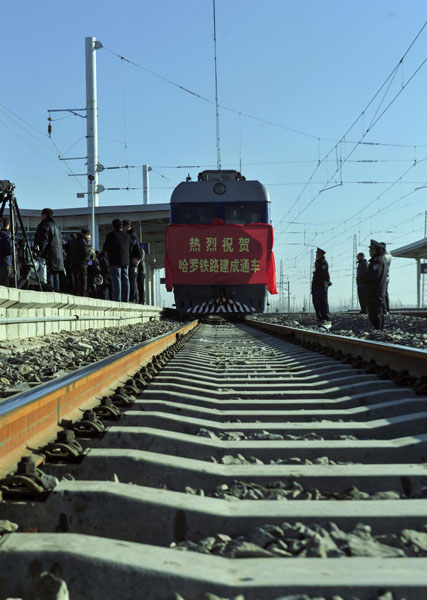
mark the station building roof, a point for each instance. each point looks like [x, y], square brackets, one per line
[148, 220]
[415, 250]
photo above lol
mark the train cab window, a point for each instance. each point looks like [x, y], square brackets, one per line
[193, 214]
[243, 214]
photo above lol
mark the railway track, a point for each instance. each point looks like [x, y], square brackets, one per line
[247, 466]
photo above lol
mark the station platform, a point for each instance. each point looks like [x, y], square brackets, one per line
[27, 313]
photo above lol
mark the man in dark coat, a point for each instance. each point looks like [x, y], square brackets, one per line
[376, 279]
[118, 247]
[319, 287]
[135, 259]
[362, 271]
[80, 252]
[48, 239]
[5, 252]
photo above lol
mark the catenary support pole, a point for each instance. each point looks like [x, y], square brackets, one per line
[145, 184]
[91, 46]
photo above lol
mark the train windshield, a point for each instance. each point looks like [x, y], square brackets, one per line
[243, 214]
[195, 214]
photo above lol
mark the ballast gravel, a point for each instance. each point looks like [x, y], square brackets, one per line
[398, 329]
[239, 459]
[27, 363]
[290, 540]
[287, 490]
[238, 436]
[383, 595]
[387, 595]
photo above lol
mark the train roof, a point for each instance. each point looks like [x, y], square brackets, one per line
[219, 186]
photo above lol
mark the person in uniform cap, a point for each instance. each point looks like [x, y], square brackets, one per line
[376, 284]
[319, 287]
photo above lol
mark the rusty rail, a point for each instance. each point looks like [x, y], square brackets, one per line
[32, 417]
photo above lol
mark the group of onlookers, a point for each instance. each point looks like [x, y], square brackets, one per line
[115, 273]
[126, 262]
[372, 284]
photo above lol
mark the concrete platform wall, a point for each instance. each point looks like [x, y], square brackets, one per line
[25, 313]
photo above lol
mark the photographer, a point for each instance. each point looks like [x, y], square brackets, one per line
[5, 252]
[48, 238]
[80, 254]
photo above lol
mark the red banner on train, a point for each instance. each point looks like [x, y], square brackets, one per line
[220, 254]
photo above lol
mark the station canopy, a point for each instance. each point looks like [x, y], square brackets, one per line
[416, 250]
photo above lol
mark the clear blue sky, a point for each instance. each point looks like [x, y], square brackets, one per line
[310, 66]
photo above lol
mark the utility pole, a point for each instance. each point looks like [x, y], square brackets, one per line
[281, 299]
[91, 46]
[353, 272]
[289, 297]
[145, 184]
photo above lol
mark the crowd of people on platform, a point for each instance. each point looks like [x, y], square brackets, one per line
[372, 285]
[117, 272]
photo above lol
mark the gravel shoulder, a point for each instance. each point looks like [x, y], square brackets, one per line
[26, 363]
[398, 329]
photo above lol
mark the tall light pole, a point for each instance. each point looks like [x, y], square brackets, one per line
[91, 46]
[145, 184]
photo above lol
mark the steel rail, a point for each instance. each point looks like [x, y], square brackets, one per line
[33, 416]
[393, 355]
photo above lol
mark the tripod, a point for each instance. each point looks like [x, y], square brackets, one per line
[7, 197]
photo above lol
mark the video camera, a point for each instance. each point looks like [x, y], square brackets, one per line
[6, 187]
[24, 268]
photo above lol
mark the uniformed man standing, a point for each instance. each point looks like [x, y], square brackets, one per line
[376, 284]
[319, 288]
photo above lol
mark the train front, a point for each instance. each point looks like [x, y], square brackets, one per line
[219, 256]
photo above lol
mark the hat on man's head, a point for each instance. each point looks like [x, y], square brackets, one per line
[376, 245]
[320, 250]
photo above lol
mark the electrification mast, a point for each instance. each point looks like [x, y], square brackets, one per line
[91, 46]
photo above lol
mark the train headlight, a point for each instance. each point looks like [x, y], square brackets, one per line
[219, 188]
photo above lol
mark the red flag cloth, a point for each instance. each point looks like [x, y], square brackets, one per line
[220, 254]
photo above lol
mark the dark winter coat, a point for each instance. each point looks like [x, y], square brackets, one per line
[135, 253]
[49, 240]
[5, 248]
[376, 278]
[321, 274]
[118, 246]
[362, 271]
[80, 251]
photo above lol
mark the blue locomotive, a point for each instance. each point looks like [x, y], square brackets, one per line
[219, 202]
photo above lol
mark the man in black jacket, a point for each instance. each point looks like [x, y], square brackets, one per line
[118, 247]
[48, 239]
[319, 288]
[80, 253]
[376, 279]
[362, 271]
[135, 258]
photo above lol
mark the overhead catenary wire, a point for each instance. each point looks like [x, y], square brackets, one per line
[365, 132]
[242, 113]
